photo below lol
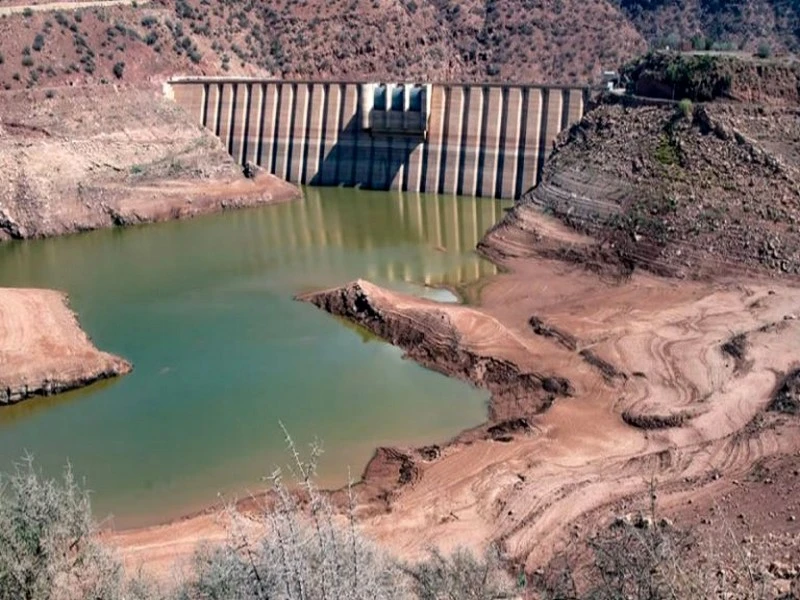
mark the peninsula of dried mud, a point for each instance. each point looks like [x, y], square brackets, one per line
[43, 350]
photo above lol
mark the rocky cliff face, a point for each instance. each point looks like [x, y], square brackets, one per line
[98, 157]
[686, 190]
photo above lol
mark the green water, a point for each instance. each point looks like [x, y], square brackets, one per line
[222, 353]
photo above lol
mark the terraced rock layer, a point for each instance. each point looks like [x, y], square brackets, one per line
[104, 157]
[696, 190]
[43, 350]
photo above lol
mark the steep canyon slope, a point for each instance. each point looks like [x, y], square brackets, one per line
[687, 190]
[517, 40]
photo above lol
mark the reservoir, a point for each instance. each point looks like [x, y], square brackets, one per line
[222, 353]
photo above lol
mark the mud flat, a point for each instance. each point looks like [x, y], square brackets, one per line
[646, 388]
[654, 393]
[43, 350]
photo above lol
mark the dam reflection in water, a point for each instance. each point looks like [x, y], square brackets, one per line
[322, 231]
[204, 310]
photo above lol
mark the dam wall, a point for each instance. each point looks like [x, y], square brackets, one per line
[470, 140]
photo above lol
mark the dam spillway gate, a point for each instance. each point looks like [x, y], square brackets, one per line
[465, 139]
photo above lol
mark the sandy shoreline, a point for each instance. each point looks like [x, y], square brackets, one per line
[43, 350]
[524, 476]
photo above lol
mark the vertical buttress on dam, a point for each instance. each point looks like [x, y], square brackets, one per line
[479, 140]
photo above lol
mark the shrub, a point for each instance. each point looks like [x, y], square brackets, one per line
[38, 42]
[2, 58]
[642, 556]
[764, 50]
[294, 548]
[27, 12]
[666, 151]
[673, 41]
[295, 555]
[118, 70]
[27, 61]
[461, 575]
[47, 541]
[686, 107]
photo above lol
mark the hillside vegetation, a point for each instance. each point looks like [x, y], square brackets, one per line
[717, 24]
[518, 40]
[472, 40]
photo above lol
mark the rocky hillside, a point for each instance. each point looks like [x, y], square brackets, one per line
[704, 77]
[717, 24]
[680, 188]
[94, 157]
[512, 40]
[488, 40]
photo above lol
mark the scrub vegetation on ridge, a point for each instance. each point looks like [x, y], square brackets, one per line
[473, 40]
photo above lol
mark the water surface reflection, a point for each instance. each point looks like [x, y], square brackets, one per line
[204, 310]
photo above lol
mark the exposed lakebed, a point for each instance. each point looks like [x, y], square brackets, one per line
[204, 311]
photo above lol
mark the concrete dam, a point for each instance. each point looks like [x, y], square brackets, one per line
[470, 140]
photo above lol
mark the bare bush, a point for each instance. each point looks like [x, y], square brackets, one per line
[296, 547]
[293, 552]
[460, 576]
[48, 547]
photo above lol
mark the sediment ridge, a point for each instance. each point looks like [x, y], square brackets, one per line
[455, 340]
[43, 350]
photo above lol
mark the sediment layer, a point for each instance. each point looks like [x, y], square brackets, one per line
[100, 157]
[455, 340]
[677, 191]
[43, 350]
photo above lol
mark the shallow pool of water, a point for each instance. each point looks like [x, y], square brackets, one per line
[222, 353]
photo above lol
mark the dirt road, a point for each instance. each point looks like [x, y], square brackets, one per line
[54, 6]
